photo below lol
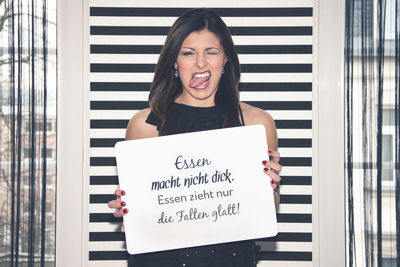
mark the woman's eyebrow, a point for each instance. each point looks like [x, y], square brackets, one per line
[191, 48]
[209, 48]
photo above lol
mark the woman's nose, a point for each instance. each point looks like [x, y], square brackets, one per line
[201, 60]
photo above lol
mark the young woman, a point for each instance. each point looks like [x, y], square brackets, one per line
[195, 88]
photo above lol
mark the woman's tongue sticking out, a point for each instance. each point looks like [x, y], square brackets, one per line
[199, 79]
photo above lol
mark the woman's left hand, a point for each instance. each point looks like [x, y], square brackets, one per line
[272, 168]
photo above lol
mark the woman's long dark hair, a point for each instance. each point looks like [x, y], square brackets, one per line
[165, 88]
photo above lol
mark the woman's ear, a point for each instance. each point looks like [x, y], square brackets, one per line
[225, 60]
[175, 65]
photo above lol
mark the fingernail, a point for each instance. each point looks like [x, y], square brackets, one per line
[266, 169]
[272, 182]
[125, 210]
[264, 162]
[269, 151]
[123, 203]
[123, 193]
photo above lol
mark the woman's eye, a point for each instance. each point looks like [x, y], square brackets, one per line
[212, 52]
[187, 53]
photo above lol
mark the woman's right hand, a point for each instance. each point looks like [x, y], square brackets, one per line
[119, 205]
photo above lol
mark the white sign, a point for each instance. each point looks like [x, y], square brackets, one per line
[196, 189]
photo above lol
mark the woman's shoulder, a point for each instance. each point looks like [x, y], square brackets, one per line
[253, 115]
[138, 128]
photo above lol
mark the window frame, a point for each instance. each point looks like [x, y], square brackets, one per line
[329, 244]
[72, 146]
[72, 179]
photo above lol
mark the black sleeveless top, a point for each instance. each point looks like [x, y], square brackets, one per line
[235, 254]
[186, 119]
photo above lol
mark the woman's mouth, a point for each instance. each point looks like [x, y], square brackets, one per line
[200, 80]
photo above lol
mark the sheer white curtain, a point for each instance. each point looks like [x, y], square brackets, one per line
[372, 132]
[27, 132]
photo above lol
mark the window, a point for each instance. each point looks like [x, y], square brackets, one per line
[27, 78]
[27, 153]
[49, 152]
[387, 157]
[388, 117]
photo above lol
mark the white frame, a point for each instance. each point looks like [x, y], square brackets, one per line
[72, 136]
[72, 179]
[329, 248]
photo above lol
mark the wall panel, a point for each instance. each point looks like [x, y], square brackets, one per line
[275, 44]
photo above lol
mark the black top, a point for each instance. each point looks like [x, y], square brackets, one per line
[186, 119]
[235, 254]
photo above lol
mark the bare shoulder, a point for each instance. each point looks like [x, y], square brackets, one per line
[253, 115]
[138, 128]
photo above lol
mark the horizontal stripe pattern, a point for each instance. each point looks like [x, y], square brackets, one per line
[275, 44]
[280, 124]
[263, 255]
[143, 30]
[283, 207]
[242, 49]
[157, 21]
[113, 179]
[243, 58]
[286, 171]
[285, 152]
[209, 3]
[255, 68]
[266, 105]
[281, 237]
[270, 263]
[223, 12]
[265, 245]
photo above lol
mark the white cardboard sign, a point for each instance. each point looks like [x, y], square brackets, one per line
[196, 189]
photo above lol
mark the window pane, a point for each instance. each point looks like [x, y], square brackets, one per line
[27, 131]
[387, 148]
[388, 117]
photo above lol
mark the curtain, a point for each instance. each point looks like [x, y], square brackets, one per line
[372, 132]
[27, 121]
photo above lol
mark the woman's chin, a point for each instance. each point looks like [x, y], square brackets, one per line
[194, 95]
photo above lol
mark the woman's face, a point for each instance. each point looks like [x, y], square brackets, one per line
[199, 63]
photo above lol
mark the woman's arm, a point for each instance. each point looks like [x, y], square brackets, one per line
[252, 116]
[137, 129]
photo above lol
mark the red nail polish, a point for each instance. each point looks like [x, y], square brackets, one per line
[264, 162]
[266, 169]
[272, 182]
[125, 210]
[123, 193]
[269, 152]
[123, 204]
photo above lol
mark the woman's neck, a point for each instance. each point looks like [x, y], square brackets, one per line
[190, 101]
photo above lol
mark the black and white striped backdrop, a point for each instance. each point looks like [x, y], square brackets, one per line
[274, 40]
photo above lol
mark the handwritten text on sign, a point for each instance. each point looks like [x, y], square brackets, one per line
[195, 189]
[199, 179]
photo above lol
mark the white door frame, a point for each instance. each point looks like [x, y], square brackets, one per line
[72, 136]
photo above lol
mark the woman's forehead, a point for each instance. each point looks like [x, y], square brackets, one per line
[200, 39]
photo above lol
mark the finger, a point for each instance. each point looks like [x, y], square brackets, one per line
[119, 192]
[272, 165]
[123, 227]
[120, 212]
[275, 177]
[116, 204]
[274, 155]
[274, 185]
